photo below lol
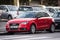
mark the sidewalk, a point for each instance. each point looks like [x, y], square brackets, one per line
[3, 20]
[2, 27]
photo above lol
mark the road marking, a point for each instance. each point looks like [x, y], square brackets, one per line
[24, 38]
[14, 37]
[35, 38]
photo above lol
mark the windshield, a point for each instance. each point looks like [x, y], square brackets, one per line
[26, 15]
[13, 8]
[25, 9]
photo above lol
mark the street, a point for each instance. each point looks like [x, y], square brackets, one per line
[38, 36]
[27, 36]
[23, 19]
[2, 27]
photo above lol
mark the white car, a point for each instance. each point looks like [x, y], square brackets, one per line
[10, 11]
[51, 10]
[22, 9]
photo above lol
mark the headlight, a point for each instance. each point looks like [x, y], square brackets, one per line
[24, 22]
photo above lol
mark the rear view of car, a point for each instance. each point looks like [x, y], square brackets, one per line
[31, 22]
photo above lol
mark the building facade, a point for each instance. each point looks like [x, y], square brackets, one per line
[30, 2]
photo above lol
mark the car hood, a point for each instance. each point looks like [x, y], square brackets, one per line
[21, 20]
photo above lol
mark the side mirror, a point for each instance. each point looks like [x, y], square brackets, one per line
[37, 16]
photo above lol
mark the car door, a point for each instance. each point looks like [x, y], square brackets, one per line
[46, 19]
[41, 20]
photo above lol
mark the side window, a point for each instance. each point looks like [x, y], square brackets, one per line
[40, 14]
[46, 15]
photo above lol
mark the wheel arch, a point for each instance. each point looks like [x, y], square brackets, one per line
[53, 23]
[33, 24]
[9, 15]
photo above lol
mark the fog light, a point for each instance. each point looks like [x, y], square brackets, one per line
[22, 28]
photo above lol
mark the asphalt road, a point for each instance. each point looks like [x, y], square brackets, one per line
[26, 36]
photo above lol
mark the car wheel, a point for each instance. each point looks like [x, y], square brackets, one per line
[9, 17]
[32, 29]
[52, 28]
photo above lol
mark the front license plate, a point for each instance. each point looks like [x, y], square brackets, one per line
[13, 26]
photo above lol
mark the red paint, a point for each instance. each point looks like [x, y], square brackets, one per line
[41, 23]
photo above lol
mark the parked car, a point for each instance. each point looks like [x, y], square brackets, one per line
[31, 22]
[51, 10]
[29, 8]
[56, 17]
[10, 11]
[57, 9]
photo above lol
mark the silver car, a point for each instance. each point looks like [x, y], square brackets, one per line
[10, 11]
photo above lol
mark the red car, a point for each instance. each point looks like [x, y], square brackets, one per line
[31, 22]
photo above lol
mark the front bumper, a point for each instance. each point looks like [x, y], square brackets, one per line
[20, 28]
[16, 29]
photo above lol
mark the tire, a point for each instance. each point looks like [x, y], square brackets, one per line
[32, 29]
[9, 17]
[52, 29]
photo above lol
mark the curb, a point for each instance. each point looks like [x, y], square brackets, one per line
[3, 20]
[3, 33]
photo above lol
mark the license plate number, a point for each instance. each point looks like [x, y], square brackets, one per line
[13, 26]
